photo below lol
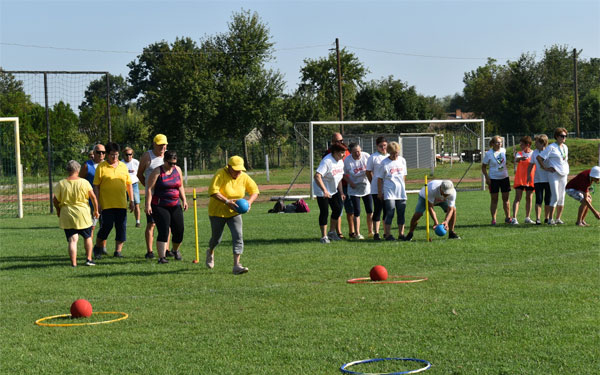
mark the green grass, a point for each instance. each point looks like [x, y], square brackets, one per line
[503, 300]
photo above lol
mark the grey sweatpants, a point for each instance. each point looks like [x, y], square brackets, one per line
[217, 224]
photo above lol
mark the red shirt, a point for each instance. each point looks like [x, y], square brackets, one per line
[581, 182]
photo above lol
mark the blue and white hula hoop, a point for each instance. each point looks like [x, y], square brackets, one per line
[345, 370]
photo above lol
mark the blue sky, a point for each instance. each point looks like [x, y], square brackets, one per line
[450, 37]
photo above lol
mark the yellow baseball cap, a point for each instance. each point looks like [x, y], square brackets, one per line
[236, 163]
[160, 139]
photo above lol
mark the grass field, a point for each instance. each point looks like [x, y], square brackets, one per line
[503, 300]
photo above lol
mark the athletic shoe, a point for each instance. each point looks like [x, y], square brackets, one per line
[360, 237]
[352, 236]
[514, 221]
[325, 240]
[137, 225]
[390, 238]
[341, 236]
[210, 259]
[376, 237]
[149, 255]
[177, 255]
[493, 222]
[529, 221]
[97, 252]
[508, 220]
[551, 222]
[104, 252]
[453, 236]
[90, 262]
[117, 254]
[370, 235]
[168, 253]
[162, 260]
[401, 237]
[559, 221]
[239, 269]
[408, 237]
[333, 236]
[538, 222]
[545, 221]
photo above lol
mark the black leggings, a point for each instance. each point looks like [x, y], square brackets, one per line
[542, 193]
[356, 204]
[378, 207]
[168, 217]
[336, 208]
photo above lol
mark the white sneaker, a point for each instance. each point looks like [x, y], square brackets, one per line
[333, 236]
[210, 259]
[551, 222]
[239, 269]
[325, 240]
[538, 222]
[559, 221]
[529, 221]
[514, 221]
[360, 237]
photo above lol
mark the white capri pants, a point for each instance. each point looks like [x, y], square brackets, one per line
[557, 189]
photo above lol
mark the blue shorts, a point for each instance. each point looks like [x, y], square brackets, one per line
[85, 233]
[136, 193]
[421, 205]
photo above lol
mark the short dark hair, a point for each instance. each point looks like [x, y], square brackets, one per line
[170, 155]
[112, 147]
[352, 145]
[337, 147]
[526, 139]
[380, 139]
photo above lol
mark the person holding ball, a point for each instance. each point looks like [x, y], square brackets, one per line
[227, 186]
[579, 189]
[440, 193]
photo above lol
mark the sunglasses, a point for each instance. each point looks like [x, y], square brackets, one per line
[100, 152]
[129, 154]
[562, 135]
[171, 163]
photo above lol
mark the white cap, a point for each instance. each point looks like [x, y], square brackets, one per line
[447, 187]
[595, 172]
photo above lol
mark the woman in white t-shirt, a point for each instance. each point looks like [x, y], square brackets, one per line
[372, 165]
[555, 158]
[327, 183]
[497, 179]
[355, 174]
[391, 189]
[540, 180]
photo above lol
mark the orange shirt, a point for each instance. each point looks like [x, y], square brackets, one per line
[522, 166]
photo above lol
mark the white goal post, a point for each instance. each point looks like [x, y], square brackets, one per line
[18, 168]
[312, 124]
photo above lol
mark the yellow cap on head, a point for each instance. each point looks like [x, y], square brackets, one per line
[160, 139]
[236, 163]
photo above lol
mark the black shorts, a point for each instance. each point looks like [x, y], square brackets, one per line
[528, 188]
[500, 185]
[85, 233]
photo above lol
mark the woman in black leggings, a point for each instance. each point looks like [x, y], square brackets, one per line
[164, 189]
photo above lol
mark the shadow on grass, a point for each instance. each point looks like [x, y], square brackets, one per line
[133, 273]
[28, 228]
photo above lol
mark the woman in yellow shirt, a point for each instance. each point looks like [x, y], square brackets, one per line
[227, 186]
[73, 211]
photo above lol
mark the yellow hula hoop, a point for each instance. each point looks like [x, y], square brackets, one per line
[39, 322]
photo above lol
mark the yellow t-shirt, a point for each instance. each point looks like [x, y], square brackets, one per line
[112, 183]
[72, 196]
[232, 189]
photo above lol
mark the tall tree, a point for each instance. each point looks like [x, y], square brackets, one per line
[483, 91]
[556, 80]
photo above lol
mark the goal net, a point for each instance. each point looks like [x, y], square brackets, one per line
[11, 172]
[441, 149]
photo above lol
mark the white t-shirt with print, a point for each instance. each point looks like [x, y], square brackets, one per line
[540, 174]
[132, 167]
[357, 173]
[496, 161]
[373, 163]
[331, 172]
[556, 157]
[434, 194]
[392, 173]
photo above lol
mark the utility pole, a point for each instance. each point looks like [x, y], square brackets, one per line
[339, 77]
[576, 93]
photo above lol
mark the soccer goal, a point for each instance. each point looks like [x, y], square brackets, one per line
[426, 144]
[11, 172]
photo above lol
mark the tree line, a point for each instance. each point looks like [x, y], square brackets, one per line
[207, 96]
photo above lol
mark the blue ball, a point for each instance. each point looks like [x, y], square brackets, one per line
[440, 230]
[242, 206]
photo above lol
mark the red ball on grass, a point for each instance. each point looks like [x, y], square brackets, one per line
[378, 273]
[81, 309]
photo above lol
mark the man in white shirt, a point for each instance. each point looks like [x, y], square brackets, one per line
[440, 193]
[132, 166]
